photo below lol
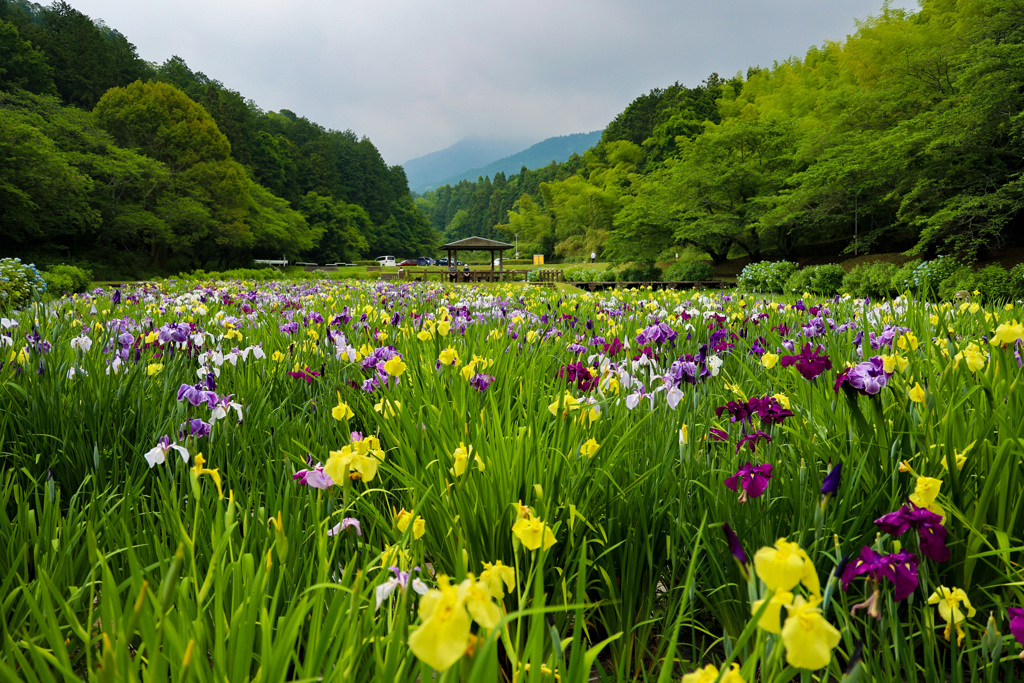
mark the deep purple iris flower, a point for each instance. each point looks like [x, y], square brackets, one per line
[735, 547]
[898, 568]
[830, 485]
[753, 479]
[810, 362]
[767, 408]
[305, 374]
[1017, 623]
[718, 434]
[481, 382]
[867, 378]
[751, 440]
[930, 532]
[613, 347]
[290, 328]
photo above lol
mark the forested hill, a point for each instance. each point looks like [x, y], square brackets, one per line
[132, 168]
[556, 149]
[907, 135]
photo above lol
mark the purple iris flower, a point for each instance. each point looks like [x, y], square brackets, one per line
[718, 434]
[1016, 615]
[830, 485]
[290, 328]
[735, 547]
[196, 428]
[481, 382]
[173, 332]
[930, 532]
[197, 395]
[751, 441]
[738, 412]
[613, 347]
[867, 378]
[753, 479]
[115, 297]
[810, 362]
[305, 374]
[898, 568]
[314, 477]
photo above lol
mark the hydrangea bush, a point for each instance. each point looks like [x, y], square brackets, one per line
[17, 281]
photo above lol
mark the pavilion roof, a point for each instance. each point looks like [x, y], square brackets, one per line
[471, 243]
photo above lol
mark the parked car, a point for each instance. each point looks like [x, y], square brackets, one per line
[386, 261]
[498, 261]
[442, 262]
[408, 262]
[424, 261]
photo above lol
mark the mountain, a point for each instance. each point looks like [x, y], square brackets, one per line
[556, 149]
[449, 166]
[427, 172]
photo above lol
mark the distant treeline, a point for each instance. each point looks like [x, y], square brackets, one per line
[133, 167]
[905, 136]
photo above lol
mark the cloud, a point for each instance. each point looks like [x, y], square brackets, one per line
[416, 76]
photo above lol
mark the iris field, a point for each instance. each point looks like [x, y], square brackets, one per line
[305, 481]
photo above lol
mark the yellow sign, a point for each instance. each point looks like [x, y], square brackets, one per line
[538, 259]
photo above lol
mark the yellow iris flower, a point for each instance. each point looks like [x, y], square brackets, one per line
[807, 635]
[533, 533]
[446, 615]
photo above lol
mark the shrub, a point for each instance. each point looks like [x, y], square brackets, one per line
[870, 280]
[1017, 281]
[928, 275]
[63, 279]
[687, 270]
[827, 279]
[995, 283]
[766, 276]
[17, 282]
[641, 272]
[903, 278]
[800, 281]
[580, 275]
[608, 276]
[962, 279]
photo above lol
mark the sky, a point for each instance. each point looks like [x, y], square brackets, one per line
[415, 76]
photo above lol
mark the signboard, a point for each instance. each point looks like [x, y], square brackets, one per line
[538, 259]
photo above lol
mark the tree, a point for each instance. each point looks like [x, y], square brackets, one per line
[343, 227]
[22, 65]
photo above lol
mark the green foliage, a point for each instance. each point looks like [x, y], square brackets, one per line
[1017, 281]
[65, 279]
[993, 284]
[687, 270]
[903, 278]
[828, 279]
[22, 65]
[800, 280]
[640, 272]
[766, 276]
[17, 283]
[872, 280]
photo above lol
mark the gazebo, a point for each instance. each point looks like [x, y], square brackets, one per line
[474, 244]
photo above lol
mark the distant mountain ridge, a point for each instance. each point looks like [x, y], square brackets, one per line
[557, 149]
[429, 170]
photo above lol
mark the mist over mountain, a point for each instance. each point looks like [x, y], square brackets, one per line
[427, 171]
[448, 166]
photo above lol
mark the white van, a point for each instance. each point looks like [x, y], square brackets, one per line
[387, 261]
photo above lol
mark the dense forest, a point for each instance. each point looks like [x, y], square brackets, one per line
[905, 136]
[131, 167]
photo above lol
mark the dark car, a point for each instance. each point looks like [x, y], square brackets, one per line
[408, 262]
[442, 262]
[424, 261]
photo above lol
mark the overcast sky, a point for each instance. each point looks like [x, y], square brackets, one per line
[416, 76]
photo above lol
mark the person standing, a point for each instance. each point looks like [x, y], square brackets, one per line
[593, 256]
